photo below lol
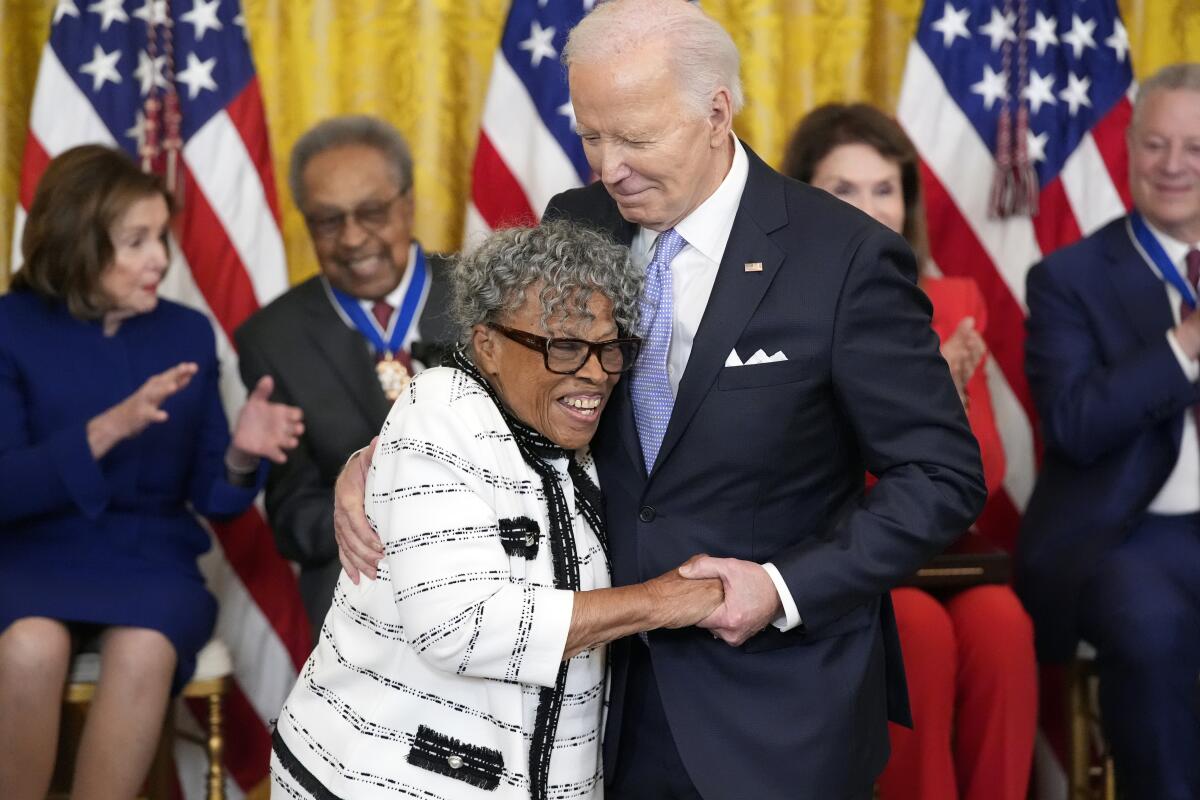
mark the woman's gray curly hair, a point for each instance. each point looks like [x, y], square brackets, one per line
[569, 260]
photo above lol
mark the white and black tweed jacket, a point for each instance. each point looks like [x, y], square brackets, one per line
[428, 682]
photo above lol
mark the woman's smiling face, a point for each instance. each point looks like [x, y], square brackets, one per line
[563, 408]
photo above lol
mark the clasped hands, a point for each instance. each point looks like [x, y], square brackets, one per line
[750, 602]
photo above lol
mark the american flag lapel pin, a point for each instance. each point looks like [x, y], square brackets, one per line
[753, 266]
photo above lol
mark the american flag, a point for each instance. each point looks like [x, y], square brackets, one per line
[528, 150]
[103, 59]
[975, 69]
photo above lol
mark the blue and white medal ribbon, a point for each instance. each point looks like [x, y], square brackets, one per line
[393, 374]
[1151, 249]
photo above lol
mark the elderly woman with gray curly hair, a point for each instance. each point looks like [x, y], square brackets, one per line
[474, 664]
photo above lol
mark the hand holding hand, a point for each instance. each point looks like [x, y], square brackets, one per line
[359, 547]
[751, 599]
[264, 429]
[684, 602]
[140, 410]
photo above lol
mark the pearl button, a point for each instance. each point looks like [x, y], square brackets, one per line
[455, 762]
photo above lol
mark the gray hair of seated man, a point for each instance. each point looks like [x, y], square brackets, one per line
[702, 53]
[1185, 75]
[570, 261]
[347, 131]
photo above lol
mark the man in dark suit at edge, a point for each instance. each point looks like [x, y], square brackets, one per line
[1110, 542]
[787, 351]
[343, 343]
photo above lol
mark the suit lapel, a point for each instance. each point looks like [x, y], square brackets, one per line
[735, 294]
[1140, 291]
[347, 356]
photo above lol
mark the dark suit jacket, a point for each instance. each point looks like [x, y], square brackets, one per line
[766, 463]
[1111, 397]
[328, 370]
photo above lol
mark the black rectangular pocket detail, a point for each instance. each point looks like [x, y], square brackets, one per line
[520, 536]
[479, 766]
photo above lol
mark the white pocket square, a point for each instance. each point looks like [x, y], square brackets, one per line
[759, 357]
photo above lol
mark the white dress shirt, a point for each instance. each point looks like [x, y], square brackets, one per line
[693, 273]
[1181, 492]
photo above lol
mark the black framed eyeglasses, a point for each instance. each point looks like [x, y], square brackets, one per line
[372, 215]
[567, 356]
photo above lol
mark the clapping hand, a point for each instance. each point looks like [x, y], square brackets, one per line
[264, 429]
[964, 351]
[139, 411]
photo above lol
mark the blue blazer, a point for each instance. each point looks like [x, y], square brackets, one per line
[109, 541]
[1110, 397]
[766, 463]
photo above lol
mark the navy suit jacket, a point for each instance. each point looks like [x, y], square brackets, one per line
[1110, 396]
[766, 463]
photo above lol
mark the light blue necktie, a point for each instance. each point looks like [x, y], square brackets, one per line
[652, 398]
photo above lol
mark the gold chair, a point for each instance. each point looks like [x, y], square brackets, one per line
[1090, 774]
[210, 683]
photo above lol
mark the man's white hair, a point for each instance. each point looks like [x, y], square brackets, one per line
[1185, 75]
[702, 54]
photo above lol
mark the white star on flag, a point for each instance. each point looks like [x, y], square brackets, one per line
[1080, 35]
[102, 67]
[1119, 41]
[149, 72]
[539, 44]
[1000, 29]
[109, 11]
[991, 87]
[198, 75]
[1076, 93]
[1043, 32]
[567, 109]
[203, 17]
[1035, 144]
[153, 12]
[1040, 90]
[138, 131]
[953, 24]
[65, 8]
[240, 21]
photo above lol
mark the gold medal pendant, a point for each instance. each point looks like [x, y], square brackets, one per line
[393, 376]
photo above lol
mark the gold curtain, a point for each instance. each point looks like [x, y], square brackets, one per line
[424, 64]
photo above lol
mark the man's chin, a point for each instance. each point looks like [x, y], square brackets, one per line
[372, 286]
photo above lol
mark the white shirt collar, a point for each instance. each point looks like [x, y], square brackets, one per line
[707, 228]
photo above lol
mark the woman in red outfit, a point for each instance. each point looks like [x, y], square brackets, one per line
[969, 659]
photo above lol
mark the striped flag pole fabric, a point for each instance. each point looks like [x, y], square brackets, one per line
[992, 87]
[102, 61]
[528, 150]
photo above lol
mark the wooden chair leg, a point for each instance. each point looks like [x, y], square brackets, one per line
[215, 745]
[1078, 775]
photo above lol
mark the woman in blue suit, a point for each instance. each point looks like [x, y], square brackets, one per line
[111, 433]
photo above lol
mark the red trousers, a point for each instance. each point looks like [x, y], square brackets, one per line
[972, 683]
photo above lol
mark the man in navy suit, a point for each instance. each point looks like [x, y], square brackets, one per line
[786, 352]
[1110, 544]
